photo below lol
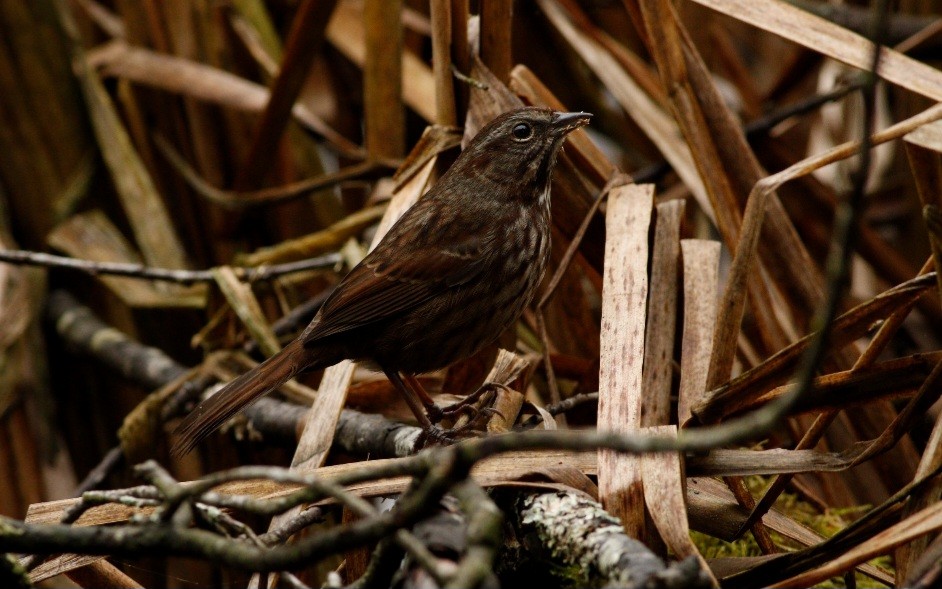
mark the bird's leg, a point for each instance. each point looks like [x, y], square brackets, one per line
[436, 413]
[431, 409]
[428, 413]
[412, 399]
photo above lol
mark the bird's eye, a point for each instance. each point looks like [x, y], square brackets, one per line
[522, 131]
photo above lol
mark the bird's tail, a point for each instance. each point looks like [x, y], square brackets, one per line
[240, 393]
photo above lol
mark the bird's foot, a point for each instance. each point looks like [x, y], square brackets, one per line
[439, 436]
[476, 425]
[465, 407]
[465, 419]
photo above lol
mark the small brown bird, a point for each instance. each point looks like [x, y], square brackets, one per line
[456, 270]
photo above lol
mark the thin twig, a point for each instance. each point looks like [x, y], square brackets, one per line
[551, 381]
[112, 460]
[246, 273]
[468, 79]
[308, 517]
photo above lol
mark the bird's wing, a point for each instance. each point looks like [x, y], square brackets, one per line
[394, 279]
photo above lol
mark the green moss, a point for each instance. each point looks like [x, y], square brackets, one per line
[827, 524]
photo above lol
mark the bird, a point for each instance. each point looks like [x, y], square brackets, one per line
[448, 278]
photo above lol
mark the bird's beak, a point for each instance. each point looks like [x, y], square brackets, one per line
[567, 121]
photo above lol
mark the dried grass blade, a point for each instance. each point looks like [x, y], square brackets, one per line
[153, 229]
[924, 148]
[624, 299]
[346, 33]
[818, 34]
[721, 462]
[384, 116]
[667, 49]
[63, 564]
[496, 20]
[908, 555]
[701, 260]
[665, 496]
[487, 100]
[662, 316]
[243, 302]
[92, 236]
[845, 329]
[256, 14]
[103, 575]
[315, 243]
[637, 104]
[202, 82]
[440, 14]
[304, 41]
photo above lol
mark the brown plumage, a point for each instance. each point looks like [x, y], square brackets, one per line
[456, 270]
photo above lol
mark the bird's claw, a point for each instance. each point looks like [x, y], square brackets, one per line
[435, 435]
[468, 420]
[463, 407]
